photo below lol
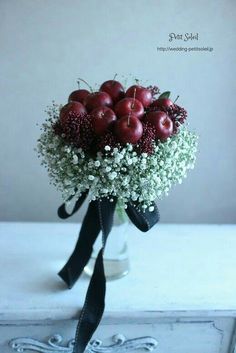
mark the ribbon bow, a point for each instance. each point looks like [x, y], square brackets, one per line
[99, 217]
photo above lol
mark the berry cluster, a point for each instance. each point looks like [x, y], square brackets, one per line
[114, 117]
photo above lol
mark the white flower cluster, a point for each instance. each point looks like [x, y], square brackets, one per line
[119, 172]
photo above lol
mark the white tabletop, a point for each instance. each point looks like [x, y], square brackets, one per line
[174, 268]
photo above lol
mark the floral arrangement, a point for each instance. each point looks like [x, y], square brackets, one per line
[121, 147]
[132, 143]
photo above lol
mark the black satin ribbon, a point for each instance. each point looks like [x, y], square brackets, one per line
[62, 212]
[99, 217]
[83, 249]
[143, 220]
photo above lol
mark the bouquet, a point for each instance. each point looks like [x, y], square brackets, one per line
[134, 145]
[114, 146]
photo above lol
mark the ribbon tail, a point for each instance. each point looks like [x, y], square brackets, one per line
[82, 252]
[62, 212]
[94, 305]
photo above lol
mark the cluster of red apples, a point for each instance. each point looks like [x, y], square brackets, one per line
[125, 115]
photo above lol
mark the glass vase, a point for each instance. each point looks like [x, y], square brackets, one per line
[116, 259]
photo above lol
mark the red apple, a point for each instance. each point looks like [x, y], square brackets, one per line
[71, 108]
[129, 106]
[162, 103]
[162, 123]
[96, 100]
[78, 96]
[103, 118]
[144, 95]
[114, 89]
[129, 129]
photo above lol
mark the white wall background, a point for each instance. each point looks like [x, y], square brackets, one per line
[47, 44]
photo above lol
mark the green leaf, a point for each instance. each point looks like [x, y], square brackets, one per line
[165, 95]
[120, 211]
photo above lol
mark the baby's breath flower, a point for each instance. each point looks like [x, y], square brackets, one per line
[112, 175]
[75, 159]
[97, 164]
[120, 172]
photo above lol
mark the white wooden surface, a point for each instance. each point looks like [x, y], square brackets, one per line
[174, 268]
[173, 336]
[181, 288]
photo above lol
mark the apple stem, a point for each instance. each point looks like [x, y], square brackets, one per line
[176, 99]
[80, 79]
[114, 77]
[133, 98]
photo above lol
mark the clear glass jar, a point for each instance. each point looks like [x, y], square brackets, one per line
[116, 259]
